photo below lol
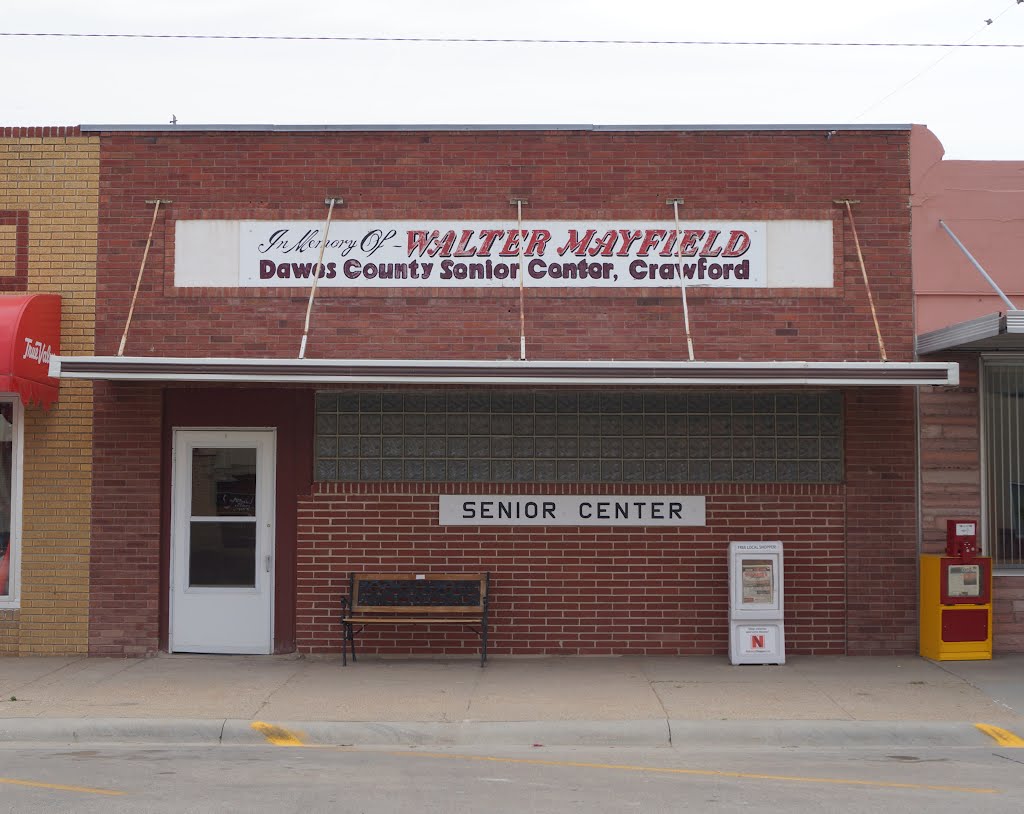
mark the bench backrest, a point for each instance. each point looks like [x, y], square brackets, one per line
[414, 593]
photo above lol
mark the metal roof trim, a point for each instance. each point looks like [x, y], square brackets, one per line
[961, 333]
[376, 128]
[400, 371]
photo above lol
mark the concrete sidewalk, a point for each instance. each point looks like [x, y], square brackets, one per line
[569, 700]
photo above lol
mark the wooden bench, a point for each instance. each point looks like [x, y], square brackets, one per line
[414, 599]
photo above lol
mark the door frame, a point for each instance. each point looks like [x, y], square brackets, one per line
[266, 470]
[290, 411]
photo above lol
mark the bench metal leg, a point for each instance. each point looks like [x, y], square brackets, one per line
[348, 640]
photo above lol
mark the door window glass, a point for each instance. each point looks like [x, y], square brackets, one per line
[224, 482]
[222, 532]
[222, 555]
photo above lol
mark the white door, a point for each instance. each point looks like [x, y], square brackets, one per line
[222, 542]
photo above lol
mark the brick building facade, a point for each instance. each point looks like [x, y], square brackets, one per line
[821, 457]
[971, 441]
[49, 182]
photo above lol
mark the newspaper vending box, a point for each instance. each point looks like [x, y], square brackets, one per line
[756, 634]
[956, 598]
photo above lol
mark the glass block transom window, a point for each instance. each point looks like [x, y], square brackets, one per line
[579, 437]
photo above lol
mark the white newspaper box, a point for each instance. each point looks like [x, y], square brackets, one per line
[756, 633]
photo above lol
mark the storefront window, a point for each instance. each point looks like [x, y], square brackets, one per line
[7, 458]
[580, 437]
[1003, 429]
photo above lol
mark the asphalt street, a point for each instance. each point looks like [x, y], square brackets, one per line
[644, 734]
[268, 778]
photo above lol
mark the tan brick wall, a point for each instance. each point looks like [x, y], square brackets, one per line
[9, 621]
[55, 178]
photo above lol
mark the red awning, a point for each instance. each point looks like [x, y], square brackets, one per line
[29, 335]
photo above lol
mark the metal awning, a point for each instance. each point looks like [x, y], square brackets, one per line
[439, 371]
[992, 332]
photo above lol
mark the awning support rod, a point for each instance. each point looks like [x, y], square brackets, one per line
[977, 265]
[522, 277]
[316, 274]
[864, 273]
[138, 281]
[682, 280]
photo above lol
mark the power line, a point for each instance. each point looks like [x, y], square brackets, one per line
[512, 41]
[929, 67]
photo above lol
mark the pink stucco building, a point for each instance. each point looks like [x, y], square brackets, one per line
[972, 435]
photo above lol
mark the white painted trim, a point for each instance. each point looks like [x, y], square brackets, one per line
[13, 600]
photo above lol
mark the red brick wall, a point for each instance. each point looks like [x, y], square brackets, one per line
[749, 175]
[660, 589]
[124, 564]
[881, 521]
[850, 557]
[576, 591]
[556, 591]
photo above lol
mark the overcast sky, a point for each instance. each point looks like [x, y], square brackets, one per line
[969, 97]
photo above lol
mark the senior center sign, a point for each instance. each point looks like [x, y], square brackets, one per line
[571, 510]
[479, 253]
[498, 254]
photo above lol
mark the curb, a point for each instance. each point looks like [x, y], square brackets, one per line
[465, 733]
[677, 734]
[110, 730]
[825, 734]
[341, 733]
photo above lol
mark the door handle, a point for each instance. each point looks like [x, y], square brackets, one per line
[268, 563]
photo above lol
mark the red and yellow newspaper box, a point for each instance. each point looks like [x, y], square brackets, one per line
[956, 598]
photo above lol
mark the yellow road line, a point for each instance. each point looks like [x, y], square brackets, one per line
[58, 787]
[278, 735]
[1004, 737]
[834, 781]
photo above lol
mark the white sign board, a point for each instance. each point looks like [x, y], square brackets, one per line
[571, 510]
[488, 254]
[757, 643]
